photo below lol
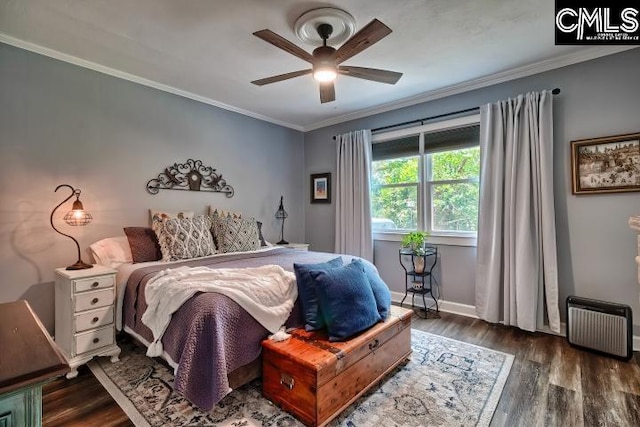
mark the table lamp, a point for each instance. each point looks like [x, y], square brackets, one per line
[282, 214]
[76, 216]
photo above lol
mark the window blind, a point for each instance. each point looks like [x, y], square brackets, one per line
[396, 148]
[450, 139]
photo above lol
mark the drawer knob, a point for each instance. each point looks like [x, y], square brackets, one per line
[96, 340]
[94, 301]
[94, 320]
[374, 345]
[95, 284]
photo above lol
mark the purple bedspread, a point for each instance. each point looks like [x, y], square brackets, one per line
[211, 335]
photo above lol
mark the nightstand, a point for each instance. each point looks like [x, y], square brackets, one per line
[297, 246]
[85, 315]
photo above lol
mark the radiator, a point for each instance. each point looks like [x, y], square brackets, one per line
[601, 326]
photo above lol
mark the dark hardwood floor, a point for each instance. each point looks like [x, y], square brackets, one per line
[550, 384]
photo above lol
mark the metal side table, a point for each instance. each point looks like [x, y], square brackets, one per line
[418, 278]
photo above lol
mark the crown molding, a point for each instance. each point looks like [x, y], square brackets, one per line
[516, 73]
[32, 47]
[527, 70]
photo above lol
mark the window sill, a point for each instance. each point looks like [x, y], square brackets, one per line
[436, 238]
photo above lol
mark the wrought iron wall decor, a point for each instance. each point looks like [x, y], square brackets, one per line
[191, 175]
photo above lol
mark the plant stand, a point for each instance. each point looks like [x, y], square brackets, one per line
[419, 284]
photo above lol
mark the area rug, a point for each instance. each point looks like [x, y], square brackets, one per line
[446, 383]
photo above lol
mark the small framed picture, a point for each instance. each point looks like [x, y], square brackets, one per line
[321, 188]
[606, 165]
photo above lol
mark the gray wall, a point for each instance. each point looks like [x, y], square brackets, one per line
[64, 124]
[596, 247]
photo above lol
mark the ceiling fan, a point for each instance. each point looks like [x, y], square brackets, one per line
[325, 60]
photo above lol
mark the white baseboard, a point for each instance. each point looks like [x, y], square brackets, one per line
[446, 306]
[470, 311]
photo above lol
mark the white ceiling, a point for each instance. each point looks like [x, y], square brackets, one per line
[204, 49]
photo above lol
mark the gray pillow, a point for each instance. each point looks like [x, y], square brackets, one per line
[262, 241]
[236, 234]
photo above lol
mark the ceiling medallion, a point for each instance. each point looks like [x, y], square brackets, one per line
[344, 25]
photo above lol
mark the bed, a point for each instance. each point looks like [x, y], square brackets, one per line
[211, 342]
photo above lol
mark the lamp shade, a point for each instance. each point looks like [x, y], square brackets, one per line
[281, 213]
[77, 214]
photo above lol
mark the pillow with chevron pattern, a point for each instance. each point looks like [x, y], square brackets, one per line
[236, 234]
[159, 215]
[185, 238]
[223, 214]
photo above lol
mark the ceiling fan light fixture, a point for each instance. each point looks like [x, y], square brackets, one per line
[326, 60]
[324, 66]
[325, 73]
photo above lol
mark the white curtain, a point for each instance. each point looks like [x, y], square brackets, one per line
[353, 198]
[517, 260]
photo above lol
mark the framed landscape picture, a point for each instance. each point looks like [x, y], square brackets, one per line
[321, 188]
[606, 165]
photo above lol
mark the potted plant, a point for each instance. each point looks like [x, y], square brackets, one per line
[415, 242]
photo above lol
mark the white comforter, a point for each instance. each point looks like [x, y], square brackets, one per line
[267, 293]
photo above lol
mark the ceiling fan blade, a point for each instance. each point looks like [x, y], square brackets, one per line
[382, 76]
[280, 77]
[327, 92]
[371, 33]
[284, 44]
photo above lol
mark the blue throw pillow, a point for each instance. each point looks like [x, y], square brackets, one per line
[346, 301]
[307, 292]
[380, 289]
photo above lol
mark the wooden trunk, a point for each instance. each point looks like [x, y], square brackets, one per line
[315, 379]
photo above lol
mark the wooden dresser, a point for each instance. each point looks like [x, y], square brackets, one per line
[28, 358]
[85, 315]
[315, 379]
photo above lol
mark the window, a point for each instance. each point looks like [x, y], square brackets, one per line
[427, 178]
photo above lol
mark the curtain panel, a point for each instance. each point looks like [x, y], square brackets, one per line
[516, 275]
[353, 195]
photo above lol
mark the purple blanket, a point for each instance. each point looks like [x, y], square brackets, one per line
[211, 335]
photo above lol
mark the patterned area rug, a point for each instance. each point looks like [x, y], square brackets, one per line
[446, 383]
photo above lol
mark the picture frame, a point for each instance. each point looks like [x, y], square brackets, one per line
[321, 188]
[609, 164]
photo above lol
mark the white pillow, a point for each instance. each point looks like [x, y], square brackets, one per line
[112, 251]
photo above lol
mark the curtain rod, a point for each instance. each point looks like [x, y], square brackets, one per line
[439, 116]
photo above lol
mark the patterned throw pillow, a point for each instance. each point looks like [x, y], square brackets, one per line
[236, 234]
[185, 238]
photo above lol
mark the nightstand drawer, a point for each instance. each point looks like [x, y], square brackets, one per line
[97, 299]
[92, 340]
[93, 283]
[93, 319]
